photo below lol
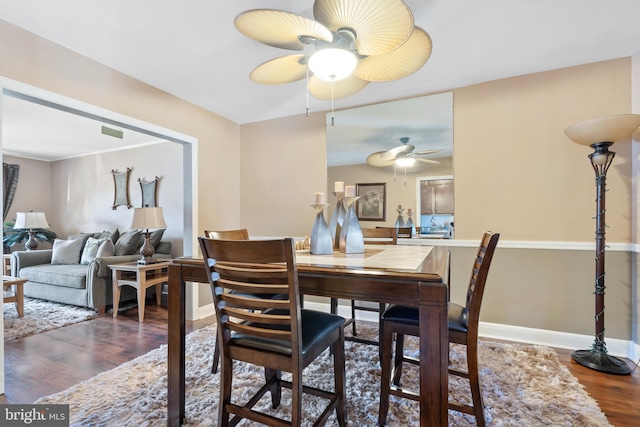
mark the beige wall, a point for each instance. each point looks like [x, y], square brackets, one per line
[82, 190]
[283, 164]
[33, 192]
[77, 194]
[515, 172]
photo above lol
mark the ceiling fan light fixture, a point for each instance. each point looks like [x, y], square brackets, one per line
[332, 64]
[405, 162]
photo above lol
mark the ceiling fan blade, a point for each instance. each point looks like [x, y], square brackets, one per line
[424, 152]
[376, 159]
[379, 28]
[321, 89]
[285, 69]
[395, 152]
[281, 29]
[423, 160]
[397, 64]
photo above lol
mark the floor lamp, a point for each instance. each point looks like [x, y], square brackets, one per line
[600, 134]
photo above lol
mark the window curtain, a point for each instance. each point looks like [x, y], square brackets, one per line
[10, 180]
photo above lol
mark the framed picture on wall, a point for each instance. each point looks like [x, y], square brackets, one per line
[372, 204]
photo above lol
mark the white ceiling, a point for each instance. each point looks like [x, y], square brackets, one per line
[192, 49]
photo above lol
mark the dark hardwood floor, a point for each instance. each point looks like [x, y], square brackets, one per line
[52, 361]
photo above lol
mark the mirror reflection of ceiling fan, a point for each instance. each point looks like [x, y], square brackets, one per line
[374, 41]
[401, 155]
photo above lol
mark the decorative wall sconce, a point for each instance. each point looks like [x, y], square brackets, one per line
[149, 192]
[121, 188]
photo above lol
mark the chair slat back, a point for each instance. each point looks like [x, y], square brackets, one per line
[479, 274]
[404, 232]
[380, 236]
[239, 234]
[399, 231]
[253, 269]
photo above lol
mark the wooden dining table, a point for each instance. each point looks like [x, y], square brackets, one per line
[409, 275]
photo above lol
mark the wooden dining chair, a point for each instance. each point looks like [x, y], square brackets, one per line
[401, 232]
[463, 329]
[405, 232]
[377, 236]
[237, 234]
[274, 333]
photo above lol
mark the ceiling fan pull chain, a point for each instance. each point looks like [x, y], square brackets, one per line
[332, 123]
[307, 92]
[394, 171]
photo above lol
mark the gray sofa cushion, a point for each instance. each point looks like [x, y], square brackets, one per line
[67, 251]
[70, 276]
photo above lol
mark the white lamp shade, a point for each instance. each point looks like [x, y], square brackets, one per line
[30, 220]
[603, 129]
[147, 218]
[332, 64]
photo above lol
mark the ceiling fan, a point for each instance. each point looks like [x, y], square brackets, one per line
[378, 38]
[401, 155]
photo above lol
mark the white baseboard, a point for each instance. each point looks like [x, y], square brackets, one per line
[204, 311]
[616, 347]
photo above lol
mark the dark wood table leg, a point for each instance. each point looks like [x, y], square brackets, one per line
[176, 345]
[434, 354]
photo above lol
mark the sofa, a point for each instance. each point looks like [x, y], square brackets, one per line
[76, 271]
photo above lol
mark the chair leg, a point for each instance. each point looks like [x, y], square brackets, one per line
[398, 359]
[276, 388]
[381, 308]
[226, 377]
[340, 379]
[353, 316]
[334, 305]
[296, 397]
[386, 344]
[474, 384]
[216, 356]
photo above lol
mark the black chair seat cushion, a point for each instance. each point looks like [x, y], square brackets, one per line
[315, 326]
[457, 315]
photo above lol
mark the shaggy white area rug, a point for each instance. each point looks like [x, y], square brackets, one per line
[523, 385]
[40, 316]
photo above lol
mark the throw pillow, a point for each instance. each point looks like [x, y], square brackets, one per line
[129, 243]
[106, 249]
[91, 249]
[113, 235]
[155, 237]
[83, 236]
[66, 251]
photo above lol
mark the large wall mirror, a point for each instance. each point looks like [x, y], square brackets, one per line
[409, 146]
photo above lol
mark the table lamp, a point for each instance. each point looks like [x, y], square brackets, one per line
[146, 219]
[31, 221]
[600, 134]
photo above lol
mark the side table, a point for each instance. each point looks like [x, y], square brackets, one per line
[6, 262]
[13, 291]
[141, 277]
